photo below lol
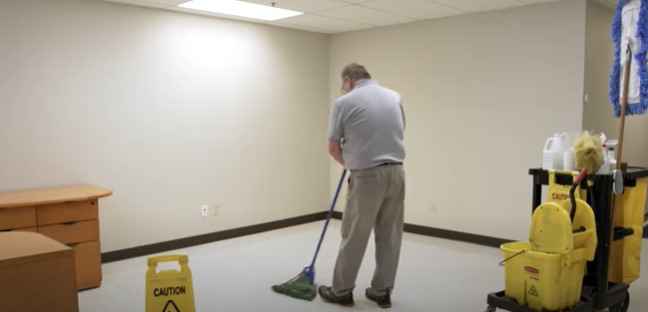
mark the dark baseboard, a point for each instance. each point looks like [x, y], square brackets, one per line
[146, 250]
[140, 251]
[488, 241]
[448, 234]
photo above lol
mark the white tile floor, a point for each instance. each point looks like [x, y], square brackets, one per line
[235, 275]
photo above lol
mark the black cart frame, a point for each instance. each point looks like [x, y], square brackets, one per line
[598, 292]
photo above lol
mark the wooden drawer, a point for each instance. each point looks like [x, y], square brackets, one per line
[31, 229]
[73, 232]
[88, 265]
[16, 218]
[67, 212]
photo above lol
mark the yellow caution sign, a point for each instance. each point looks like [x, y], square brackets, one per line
[169, 290]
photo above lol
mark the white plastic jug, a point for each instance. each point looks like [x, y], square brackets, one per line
[569, 160]
[553, 153]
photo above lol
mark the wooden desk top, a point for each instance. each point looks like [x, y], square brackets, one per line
[15, 246]
[54, 195]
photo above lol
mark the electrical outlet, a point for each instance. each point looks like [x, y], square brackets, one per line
[204, 210]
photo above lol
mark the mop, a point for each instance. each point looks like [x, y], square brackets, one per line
[302, 286]
[629, 76]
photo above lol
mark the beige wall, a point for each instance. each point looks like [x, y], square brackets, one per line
[173, 111]
[482, 93]
[170, 110]
[598, 111]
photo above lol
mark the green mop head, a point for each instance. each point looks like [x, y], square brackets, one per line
[300, 287]
[589, 153]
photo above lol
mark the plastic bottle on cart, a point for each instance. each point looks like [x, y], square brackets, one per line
[609, 157]
[569, 161]
[553, 153]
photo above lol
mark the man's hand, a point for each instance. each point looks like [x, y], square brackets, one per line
[335, 150]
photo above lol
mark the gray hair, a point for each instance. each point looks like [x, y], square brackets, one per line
[355, 72]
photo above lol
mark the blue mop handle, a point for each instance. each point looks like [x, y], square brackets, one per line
[328, 218]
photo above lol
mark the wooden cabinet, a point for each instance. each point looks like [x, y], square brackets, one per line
[37, 274]
[69, 215]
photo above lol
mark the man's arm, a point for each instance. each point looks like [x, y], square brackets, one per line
[336, 134]
[335, 150]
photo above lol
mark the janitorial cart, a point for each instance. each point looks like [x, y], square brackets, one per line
[592, 274]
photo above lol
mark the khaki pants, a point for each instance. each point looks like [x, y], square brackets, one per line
[375, 202]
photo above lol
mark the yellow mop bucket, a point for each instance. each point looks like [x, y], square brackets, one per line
[547, 273]
[169, 290]
[543, 281]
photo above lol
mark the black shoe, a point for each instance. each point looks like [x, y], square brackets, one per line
[329, 296]
[383, 301]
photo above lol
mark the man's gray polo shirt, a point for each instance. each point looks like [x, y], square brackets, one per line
[370, 122]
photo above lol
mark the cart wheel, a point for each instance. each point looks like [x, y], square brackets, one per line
[491, 309]
[622, 306]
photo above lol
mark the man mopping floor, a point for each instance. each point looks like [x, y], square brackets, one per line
[370, 121]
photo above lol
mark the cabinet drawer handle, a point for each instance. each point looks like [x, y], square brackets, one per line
[70, 223]
[6, 230]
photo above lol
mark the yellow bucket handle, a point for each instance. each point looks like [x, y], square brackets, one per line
[181, 259]
[511, 257]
